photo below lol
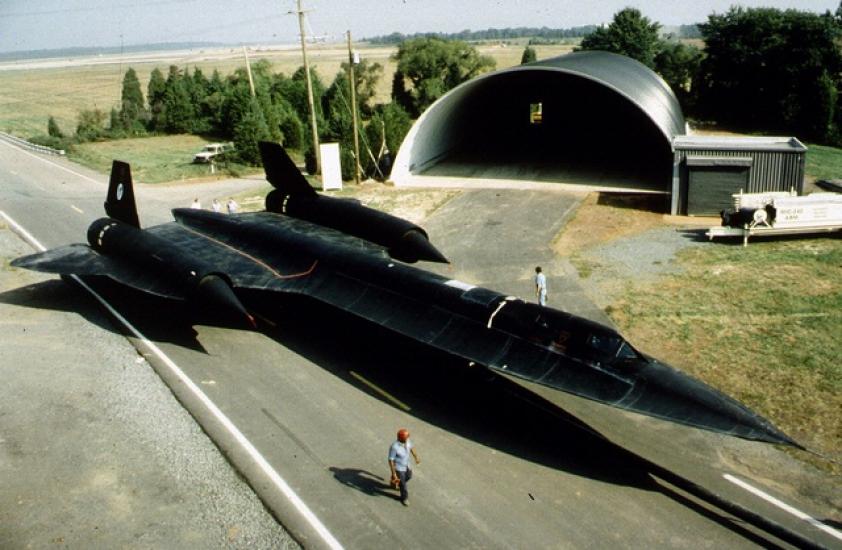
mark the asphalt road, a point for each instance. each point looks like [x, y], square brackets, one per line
[318, 397]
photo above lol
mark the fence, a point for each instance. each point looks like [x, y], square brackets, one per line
[31, 146]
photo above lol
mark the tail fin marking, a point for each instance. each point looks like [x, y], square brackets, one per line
[120, 202]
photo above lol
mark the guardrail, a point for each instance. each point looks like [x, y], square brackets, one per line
[31, 146]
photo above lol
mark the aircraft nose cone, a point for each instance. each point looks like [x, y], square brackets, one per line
[414, 246]
[684, 399]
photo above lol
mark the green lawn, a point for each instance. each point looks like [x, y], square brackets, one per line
[824, 162]
[762, 323]
[154, 159]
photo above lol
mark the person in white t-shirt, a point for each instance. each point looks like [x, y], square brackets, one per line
[540, 286]
[399, 453]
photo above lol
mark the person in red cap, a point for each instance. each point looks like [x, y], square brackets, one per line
[399, 463]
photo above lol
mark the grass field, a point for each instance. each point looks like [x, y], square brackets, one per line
[761, 323]
[824, 162]
[154, 159]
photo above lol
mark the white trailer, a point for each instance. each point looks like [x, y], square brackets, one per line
[780, 213]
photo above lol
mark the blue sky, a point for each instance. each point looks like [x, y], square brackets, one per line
[48, 24]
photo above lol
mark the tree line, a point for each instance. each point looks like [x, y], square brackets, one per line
[185, 101]
[536, 35]
[541, 33]
[761, 69]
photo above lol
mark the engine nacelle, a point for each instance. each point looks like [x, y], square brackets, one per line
[404, 240]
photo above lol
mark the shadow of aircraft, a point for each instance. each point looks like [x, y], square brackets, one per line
[469, 401]
[433, 386]
[445, 391]
[163, 320]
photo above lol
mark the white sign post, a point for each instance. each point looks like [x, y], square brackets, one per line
[331, 167]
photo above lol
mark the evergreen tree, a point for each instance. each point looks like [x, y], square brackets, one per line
[292, 129]
[248, 132]
[155, 95]
[400, 95]
[214, 104]
[178, 108]
[529, 55]
[203, 113]
[115, 125]
[53, 129]
[133, 115]
[336, 106]
[236, 104]
[296, 94]
[200, 85]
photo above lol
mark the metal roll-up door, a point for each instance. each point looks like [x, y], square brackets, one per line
[712, 180]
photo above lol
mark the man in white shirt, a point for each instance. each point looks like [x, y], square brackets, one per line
[540, 286]
[399, 463]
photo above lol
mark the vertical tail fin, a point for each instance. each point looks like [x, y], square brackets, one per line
[120, 203]
[281, 172]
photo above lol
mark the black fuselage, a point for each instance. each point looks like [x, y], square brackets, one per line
[524, 340]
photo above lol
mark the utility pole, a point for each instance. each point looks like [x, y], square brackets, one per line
[313, 127]
[248, 70]
[353, 84]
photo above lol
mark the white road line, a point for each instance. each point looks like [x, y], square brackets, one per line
[76, 208]
[23, 232]
[258, 458]
[784, 506]
[42, 159]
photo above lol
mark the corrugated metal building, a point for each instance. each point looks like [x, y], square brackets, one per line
[591, 120]
[584, 118]
[707, 170]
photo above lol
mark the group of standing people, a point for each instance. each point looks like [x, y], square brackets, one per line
[231, 206]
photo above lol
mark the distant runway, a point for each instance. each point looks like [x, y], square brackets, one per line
[173, 56]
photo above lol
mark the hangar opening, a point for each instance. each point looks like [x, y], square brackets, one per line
[590, 118]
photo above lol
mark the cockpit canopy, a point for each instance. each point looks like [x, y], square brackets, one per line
[564, 333]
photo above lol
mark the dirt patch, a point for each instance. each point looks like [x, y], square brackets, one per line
[414, 205]
[616, 239]
[604, 217]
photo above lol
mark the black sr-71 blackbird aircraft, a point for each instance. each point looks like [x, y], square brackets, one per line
[350, 257]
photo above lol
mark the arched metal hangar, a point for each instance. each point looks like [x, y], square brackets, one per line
[589, 118]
